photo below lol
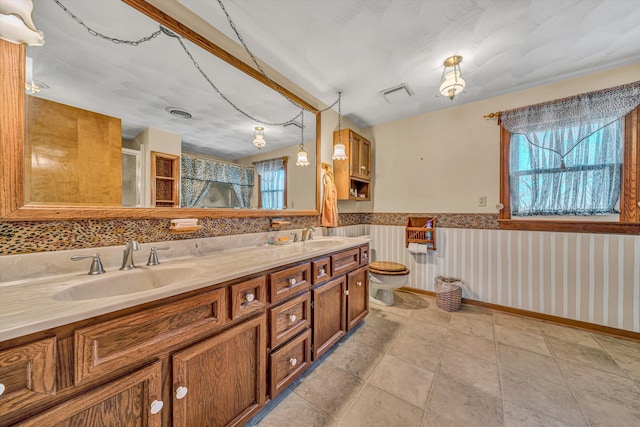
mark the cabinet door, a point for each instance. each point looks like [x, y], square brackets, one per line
[221, 381]
[354, 154]
[131, 401]
[365, 159]
[357, 296]
[329, 316]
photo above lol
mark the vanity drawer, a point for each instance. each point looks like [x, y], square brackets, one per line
[364, 255]
[131, 340]
[27, 375]
[289, 282]
[321, 270]
[289, 362]
[248, 297]
[289, 318]
[345, 261]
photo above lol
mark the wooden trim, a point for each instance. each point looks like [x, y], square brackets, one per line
[570, 226]
[590, 327]
[285, 164]
[505, 199]
[12, 118]
[630, 191]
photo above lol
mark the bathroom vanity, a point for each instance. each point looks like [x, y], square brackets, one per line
[217, 338]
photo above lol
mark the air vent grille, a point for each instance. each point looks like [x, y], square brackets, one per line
[397, 93]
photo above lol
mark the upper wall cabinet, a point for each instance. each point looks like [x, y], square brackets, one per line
[353, 176]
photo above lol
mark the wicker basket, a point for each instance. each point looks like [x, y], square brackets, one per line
[448, 293]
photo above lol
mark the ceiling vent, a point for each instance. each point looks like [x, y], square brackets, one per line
[397, 93]
[179, 112]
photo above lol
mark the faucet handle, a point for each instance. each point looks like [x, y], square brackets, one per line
[153, 255]
[96, 264]
[133, 244]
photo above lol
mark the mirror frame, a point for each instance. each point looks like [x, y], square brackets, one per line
[12, 128]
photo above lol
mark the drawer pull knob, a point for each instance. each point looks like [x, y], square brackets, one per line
[156, 406]
[1, 389]
[249, 297]
[292, 317]
[321, 272]
[346, 292]
[292, 281]
[293, 361]
[364, 255]
[181, 392]
[359, 283]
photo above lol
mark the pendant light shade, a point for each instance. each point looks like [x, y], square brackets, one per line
[16, 24]
[258, 139]
[303, 160]
[339, 150]
[452, 82]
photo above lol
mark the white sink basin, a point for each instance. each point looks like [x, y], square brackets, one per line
[122, 283]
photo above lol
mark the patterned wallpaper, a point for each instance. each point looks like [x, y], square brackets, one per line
[27, 237]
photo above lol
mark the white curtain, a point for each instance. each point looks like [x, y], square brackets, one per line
[272, 176]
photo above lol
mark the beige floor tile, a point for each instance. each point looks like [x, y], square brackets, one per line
[464, 404]
[379, 329]
[423, 351]
[626, 353]
[414, 300]
[602, 385]
[431, 315]
[529, 363]
[355, 357]
[516, 416]
[532, 392]
[479, 314]
[594, 357]
[522, 339]
[568, 334]
[422, 331]
[471, 326]
[470, 370]
[402, 306]
[434, 420]
[377, 408]
[402, 379]
[329, 388]
[601, 412]
[516, 322]
[295, 411]
[479, 347]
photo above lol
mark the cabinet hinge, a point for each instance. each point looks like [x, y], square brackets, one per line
[311, 304]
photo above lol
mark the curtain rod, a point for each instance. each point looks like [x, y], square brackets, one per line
[213, 159]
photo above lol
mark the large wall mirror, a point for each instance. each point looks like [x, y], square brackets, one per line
[109, 133]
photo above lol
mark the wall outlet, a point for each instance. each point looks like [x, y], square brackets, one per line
[482, 201]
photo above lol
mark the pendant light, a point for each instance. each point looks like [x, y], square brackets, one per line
[258, 139]
[16, 24]
[303, 160]
[452, 82]
[339, 150]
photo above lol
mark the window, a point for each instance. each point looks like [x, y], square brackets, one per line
[272, 183]
[570, 158]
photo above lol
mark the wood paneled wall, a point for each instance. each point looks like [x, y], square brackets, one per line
[76, 156]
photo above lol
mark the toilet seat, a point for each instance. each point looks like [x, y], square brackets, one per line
[388, 268]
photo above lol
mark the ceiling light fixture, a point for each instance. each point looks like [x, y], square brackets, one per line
[16, 24]
[339, 150]
[179, 112]
[258, 139]
[451, 82]
[303, 160]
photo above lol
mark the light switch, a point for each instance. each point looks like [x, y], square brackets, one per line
[482, 201]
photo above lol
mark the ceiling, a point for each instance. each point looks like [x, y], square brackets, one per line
[362, 47]
[359, 47]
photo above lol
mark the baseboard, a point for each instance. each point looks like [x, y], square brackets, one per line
[591, 327]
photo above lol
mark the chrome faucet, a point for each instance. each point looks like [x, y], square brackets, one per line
[306, 233]
[127, 256]
[96, 264]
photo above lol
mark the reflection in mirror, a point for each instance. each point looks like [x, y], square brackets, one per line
[104, 107]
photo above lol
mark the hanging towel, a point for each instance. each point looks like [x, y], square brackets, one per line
[330, 201]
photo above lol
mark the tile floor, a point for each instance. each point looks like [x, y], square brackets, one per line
[415, 365]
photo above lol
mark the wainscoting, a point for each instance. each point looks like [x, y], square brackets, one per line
[592, 278]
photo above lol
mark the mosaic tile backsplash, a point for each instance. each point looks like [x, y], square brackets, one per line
[28, 237]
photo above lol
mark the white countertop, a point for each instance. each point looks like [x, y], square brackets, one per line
[33, 305]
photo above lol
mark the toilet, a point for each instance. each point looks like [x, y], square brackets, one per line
[385, 276]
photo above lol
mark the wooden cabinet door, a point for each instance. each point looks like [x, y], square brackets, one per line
[354, 154]
[134, 400]
[329, 315]
[365, 159]
[357, 296]
[221, 381]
